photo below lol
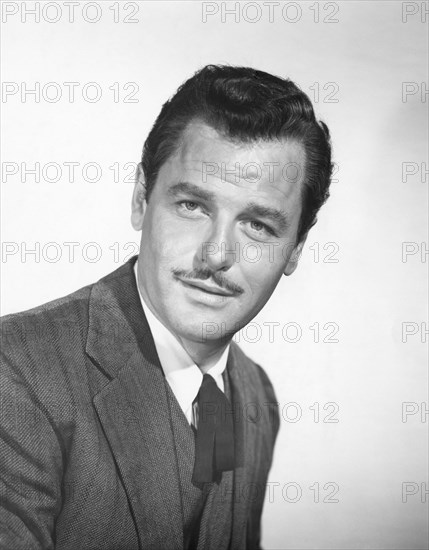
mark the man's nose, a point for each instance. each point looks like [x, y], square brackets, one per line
[219, 250]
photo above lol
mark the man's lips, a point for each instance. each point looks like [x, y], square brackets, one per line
[211, 289]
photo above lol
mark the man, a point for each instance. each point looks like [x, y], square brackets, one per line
[129, 418]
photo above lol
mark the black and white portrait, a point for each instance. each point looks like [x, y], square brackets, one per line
[214, 275]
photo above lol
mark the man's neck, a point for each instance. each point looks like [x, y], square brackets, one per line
[206, 354]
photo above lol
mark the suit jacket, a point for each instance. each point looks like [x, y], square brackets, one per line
[87, 457]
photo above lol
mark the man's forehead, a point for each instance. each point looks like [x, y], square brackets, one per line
[206, 151]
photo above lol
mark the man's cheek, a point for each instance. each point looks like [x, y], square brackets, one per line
[181, 243]
[174, 253]
[259, 282]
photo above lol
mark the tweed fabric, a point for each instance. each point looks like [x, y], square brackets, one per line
[87, 453]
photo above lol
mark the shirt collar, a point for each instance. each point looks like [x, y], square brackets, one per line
[182, 374]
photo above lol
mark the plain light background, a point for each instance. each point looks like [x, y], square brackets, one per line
[361, 282]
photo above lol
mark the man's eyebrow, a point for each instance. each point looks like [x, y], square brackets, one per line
[277, 216]
[194, 190]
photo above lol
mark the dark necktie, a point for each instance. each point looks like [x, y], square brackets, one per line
[214, 441]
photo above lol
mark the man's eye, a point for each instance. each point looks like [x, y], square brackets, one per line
[189, 205]
[259, 227]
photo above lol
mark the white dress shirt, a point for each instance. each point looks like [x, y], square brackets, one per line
[182, 374]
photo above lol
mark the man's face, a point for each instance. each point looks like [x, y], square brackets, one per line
[218, 231]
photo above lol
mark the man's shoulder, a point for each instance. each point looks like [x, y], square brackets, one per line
[255, 373]
[62, 314]
[35, 322]
[44, 348]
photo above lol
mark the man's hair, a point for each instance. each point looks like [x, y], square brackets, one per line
[245, 105]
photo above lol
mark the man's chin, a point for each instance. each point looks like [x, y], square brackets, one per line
[204, 328]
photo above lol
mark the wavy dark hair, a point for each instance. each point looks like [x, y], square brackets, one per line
[245, 105]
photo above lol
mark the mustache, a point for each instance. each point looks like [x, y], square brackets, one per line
[203, 274]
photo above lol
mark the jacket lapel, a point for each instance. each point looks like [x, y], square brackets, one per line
[133, 408]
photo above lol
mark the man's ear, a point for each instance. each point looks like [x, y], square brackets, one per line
[138, 202]
[295, 256]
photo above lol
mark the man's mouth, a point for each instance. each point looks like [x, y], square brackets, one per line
[206, 287]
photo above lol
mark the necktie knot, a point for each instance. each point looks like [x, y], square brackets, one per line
[214, 442]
